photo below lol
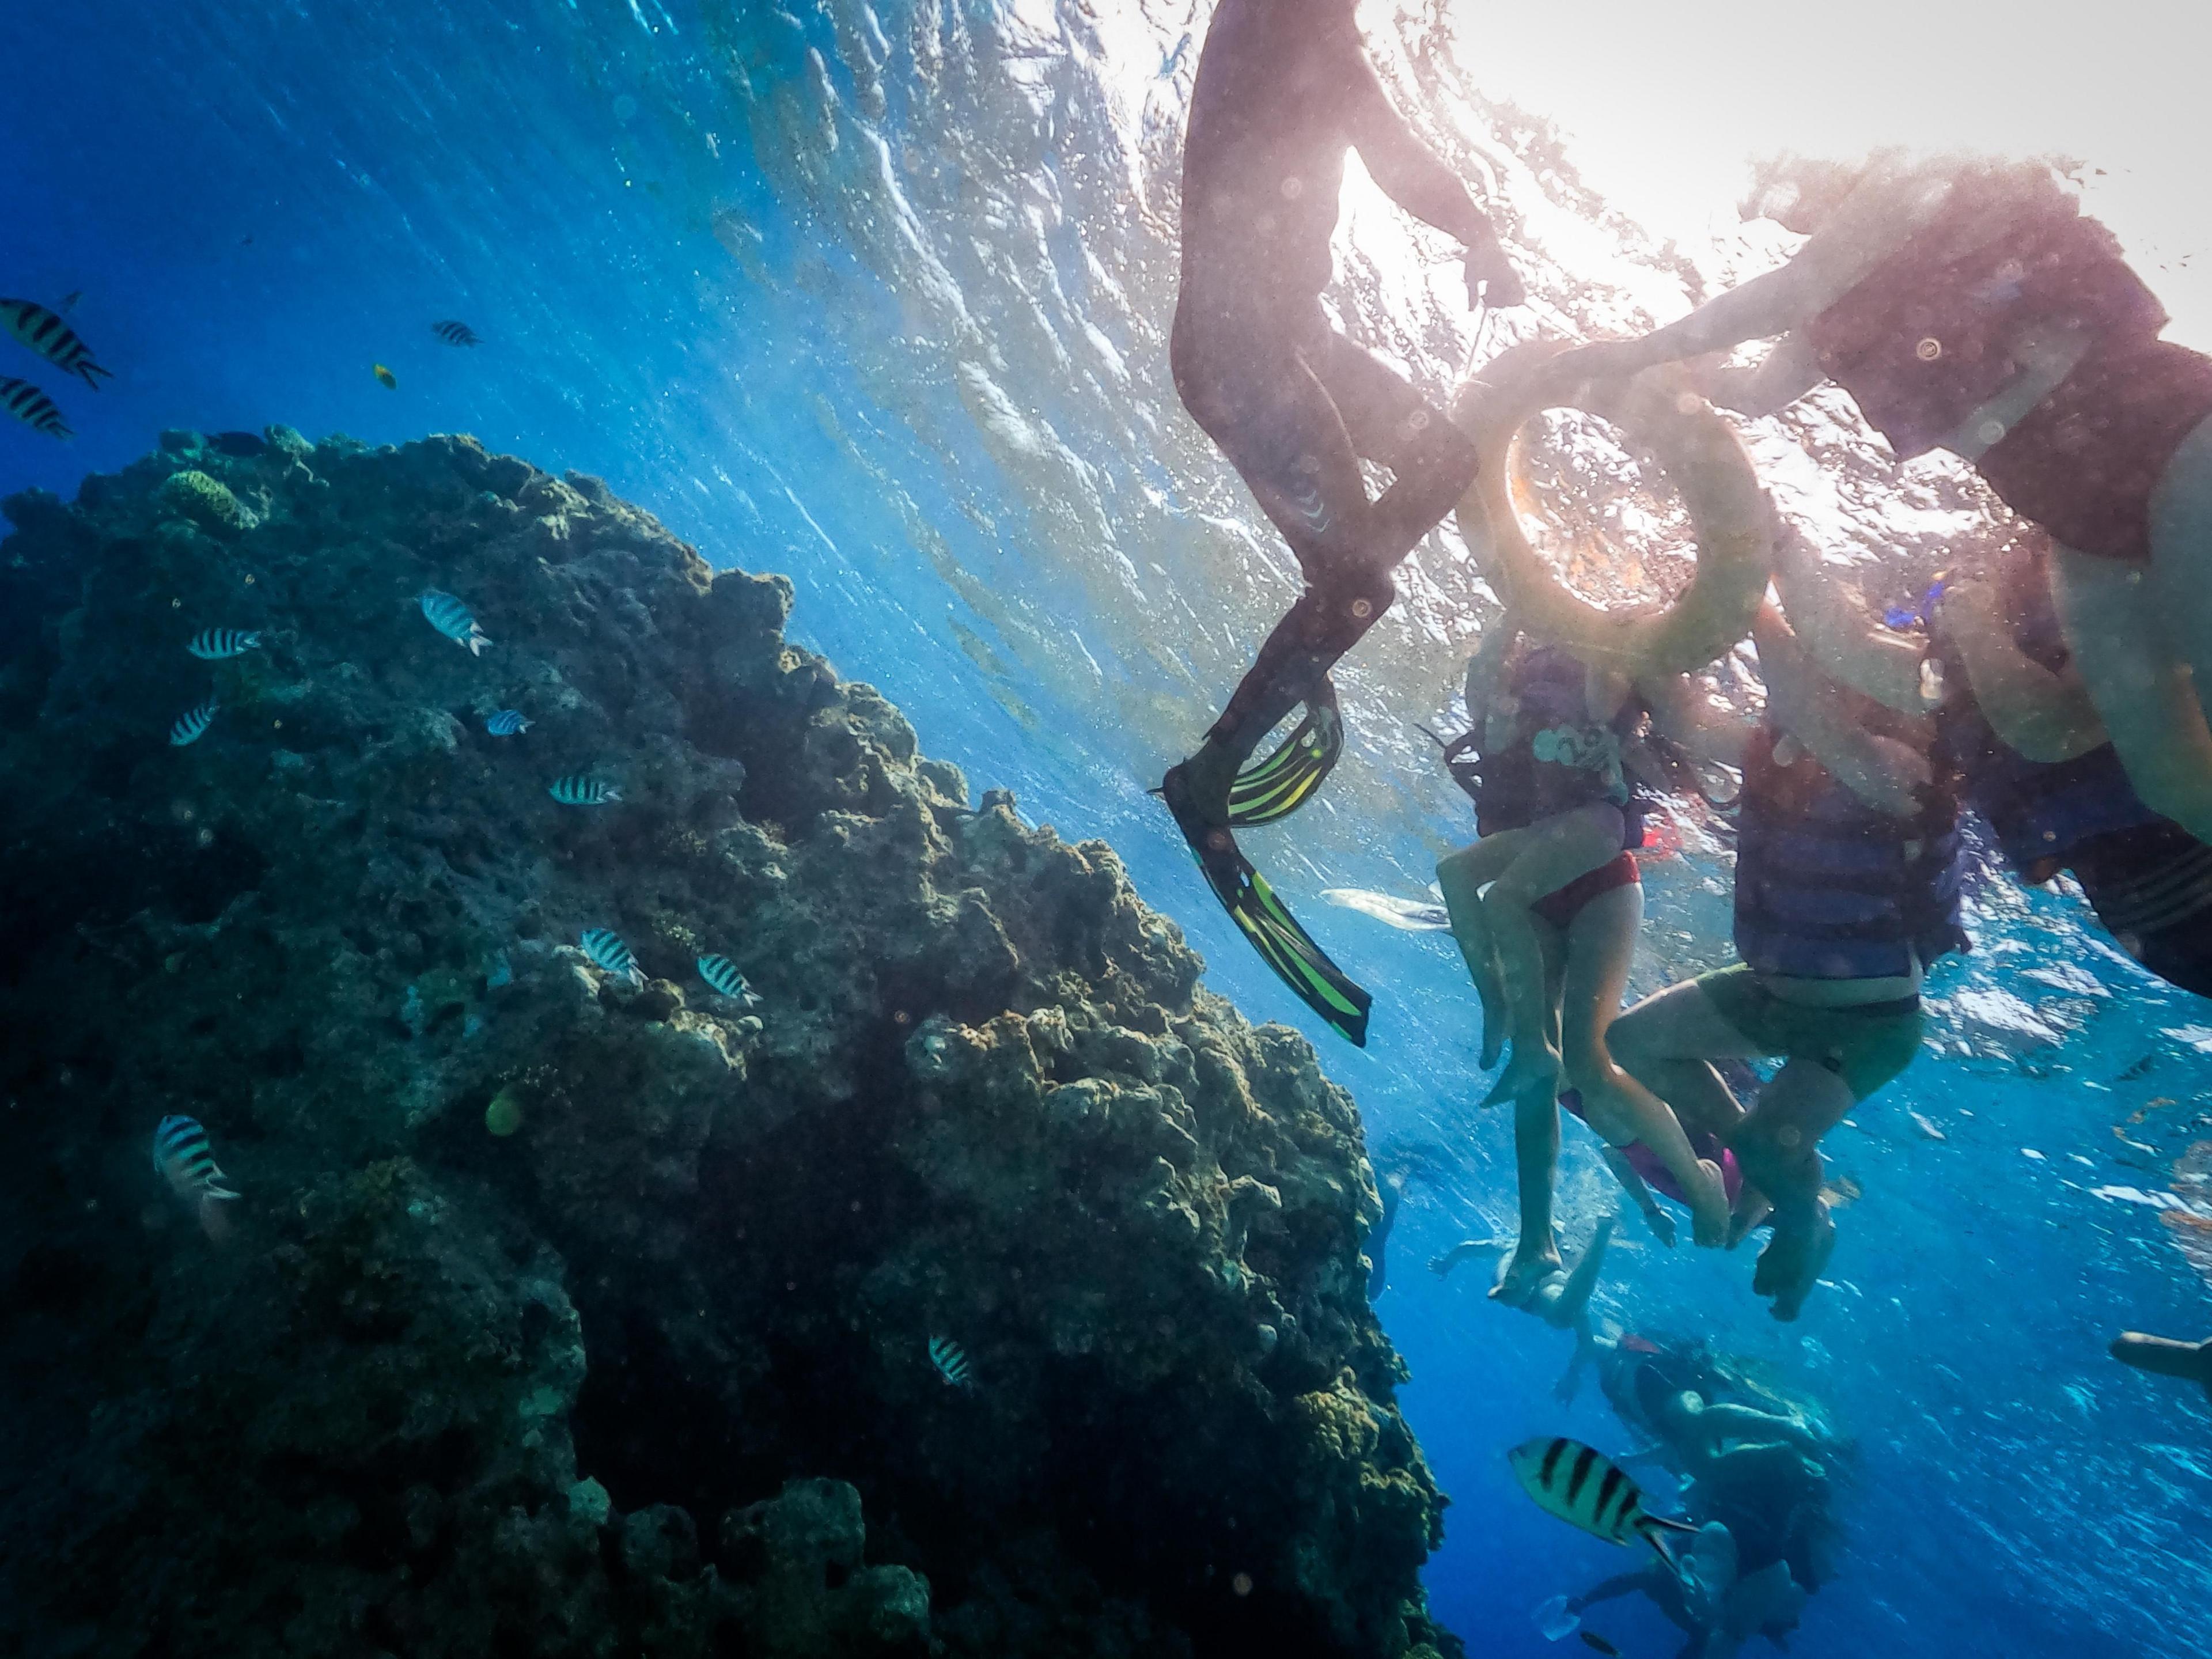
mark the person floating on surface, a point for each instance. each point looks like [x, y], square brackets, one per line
[1546, 907]
[1848, 871]
[1283, 90]
[1967, 304]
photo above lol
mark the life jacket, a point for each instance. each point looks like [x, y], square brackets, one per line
[1552, 728]
[1826, 887]
[2042, 813]
[1929, 334]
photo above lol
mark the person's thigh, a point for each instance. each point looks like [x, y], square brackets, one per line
[1385, 418]
[1682, 1022]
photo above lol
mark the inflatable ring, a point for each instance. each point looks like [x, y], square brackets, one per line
[1699, 451]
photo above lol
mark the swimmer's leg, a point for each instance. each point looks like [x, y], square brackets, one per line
[1442, 1265]
[2181, 555]
[2116, 620]
[1601, 940]
[1667, 1043]
[2192, 1361]
[1581, 1283]
[1535, 1157]
[1461, 876]
[1432, 461]
[1777, 1144]
[1559, 850]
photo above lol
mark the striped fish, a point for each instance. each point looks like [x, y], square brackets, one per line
[455, 333]
[722, 975]
[450, 618]
[33, 407]
[607, 950]
[509, 723]
[215, 644]
[951, 1363]
[181, 1158]
[192, 726]
[577, 790]
[1585, 1489]
[45, 333]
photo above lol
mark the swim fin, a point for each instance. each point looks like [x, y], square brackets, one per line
[1274, 788]
[1262, 919]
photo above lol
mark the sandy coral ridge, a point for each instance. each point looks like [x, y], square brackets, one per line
[648, 1371]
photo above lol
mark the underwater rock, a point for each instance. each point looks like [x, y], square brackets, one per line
[451, 1391]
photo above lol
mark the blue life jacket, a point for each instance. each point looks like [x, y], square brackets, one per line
[1513, 788]
[1828, 888]
[2042, 812]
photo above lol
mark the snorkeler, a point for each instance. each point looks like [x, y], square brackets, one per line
[1284, 90]
[2017, 732]
[1546, 907]
[1560, 1297]
[1967, 304]
[1711, 1600]
[2191, 1361]
[1848, 869]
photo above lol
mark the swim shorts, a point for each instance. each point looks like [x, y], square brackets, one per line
[2151, 888]
[1866, 1046]
[1562, 905]
[2084, 461]
[1656, 1175]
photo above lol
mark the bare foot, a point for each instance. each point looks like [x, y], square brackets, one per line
[1709, 1207]
[1534, 1065]
[1525, 1274]
[1792, 1263]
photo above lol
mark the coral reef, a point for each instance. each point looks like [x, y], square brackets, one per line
[566, 1315]
[208, 502]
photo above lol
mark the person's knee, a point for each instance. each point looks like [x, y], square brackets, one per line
[1349, 604]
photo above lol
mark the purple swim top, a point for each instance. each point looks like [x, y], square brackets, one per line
[1656, 1175]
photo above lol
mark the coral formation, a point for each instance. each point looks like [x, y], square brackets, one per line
[624, 1374]
[207, 502]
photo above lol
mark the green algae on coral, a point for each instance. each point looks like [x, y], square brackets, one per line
[207, 502]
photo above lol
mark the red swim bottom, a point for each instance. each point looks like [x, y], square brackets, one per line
[2083, 462]
[1561, 906]
[1656, 1175]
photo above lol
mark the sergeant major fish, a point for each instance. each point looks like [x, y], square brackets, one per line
[45, 333]
[1585, 1489]
[577, 790]
[215, 644]
[455, 333]
[722, 975]
[951, 1363]
[452, 618]
[183, 1158]
[509, 723]
[192, 726]
[605, 948]
[33, 407]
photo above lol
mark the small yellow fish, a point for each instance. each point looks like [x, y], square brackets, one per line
[386, 378]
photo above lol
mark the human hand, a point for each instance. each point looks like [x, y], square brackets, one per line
[1661, 1225]
[1490, 276]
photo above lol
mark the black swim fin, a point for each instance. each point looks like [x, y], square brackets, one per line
[1263, 918]
[1274, 788]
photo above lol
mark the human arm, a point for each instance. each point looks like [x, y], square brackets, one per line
[2046, 717]
[1876, 219]
[1417, 180]
[1790, 368]
[1442, 1265]
[1885, 773]
[1830, 618]
[1656, 1218]
[1687, 717]
[1627, 1584]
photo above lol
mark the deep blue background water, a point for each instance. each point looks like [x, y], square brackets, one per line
[260, 201]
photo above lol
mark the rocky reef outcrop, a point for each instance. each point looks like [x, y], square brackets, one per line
[572, 1310]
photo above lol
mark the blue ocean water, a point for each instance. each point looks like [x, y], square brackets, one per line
[876, 297]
